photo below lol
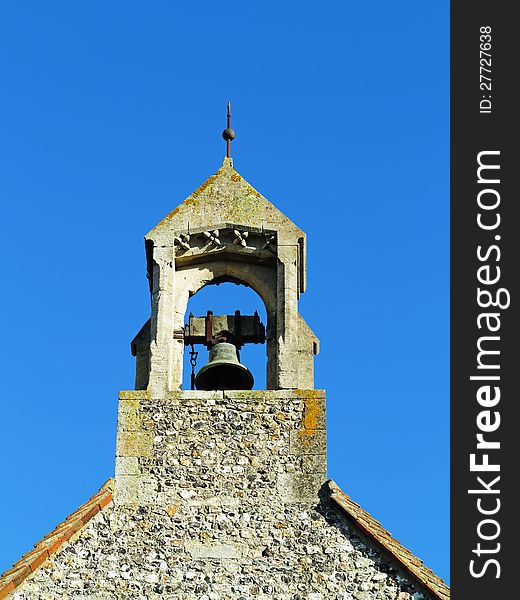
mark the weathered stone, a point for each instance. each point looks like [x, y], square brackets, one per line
[308, 441]
[134, 443]
[127, 465]
[215, 550]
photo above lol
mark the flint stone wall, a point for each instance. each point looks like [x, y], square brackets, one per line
[218, 497]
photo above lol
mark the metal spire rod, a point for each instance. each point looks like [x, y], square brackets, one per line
[228, 134]
[229, 127]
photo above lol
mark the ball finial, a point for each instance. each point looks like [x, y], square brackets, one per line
[228, 134]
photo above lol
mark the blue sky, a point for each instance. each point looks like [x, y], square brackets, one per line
[111, 114]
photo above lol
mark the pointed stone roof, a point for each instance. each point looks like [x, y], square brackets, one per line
[224, 198]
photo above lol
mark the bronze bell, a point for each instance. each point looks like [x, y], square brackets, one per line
[223, 370]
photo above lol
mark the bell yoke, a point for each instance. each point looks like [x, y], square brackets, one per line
[223, 370]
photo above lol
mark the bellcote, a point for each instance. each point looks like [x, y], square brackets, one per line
[225, 231]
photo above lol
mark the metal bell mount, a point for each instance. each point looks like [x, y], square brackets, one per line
[223, 335]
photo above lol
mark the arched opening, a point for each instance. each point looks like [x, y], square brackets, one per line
[224, 298]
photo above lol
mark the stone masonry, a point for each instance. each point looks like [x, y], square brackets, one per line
[218, 497]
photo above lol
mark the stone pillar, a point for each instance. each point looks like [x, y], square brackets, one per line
[294, 352]
[161, 324]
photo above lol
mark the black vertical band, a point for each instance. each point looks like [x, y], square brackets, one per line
[485, 268]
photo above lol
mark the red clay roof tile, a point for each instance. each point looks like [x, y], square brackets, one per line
[51, 543]
[375, 531]
[5, 589]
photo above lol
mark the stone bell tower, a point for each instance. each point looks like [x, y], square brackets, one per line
[225, 231]
[221, 494]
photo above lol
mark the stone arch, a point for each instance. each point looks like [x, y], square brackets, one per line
[224, 297]
[190, 279]
[269, 260]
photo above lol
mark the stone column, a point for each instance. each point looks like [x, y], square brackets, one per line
[287, 317]
[161, 325]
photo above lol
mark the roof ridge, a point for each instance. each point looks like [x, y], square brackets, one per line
[373, 529]
[194, 199]
[53, 541]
